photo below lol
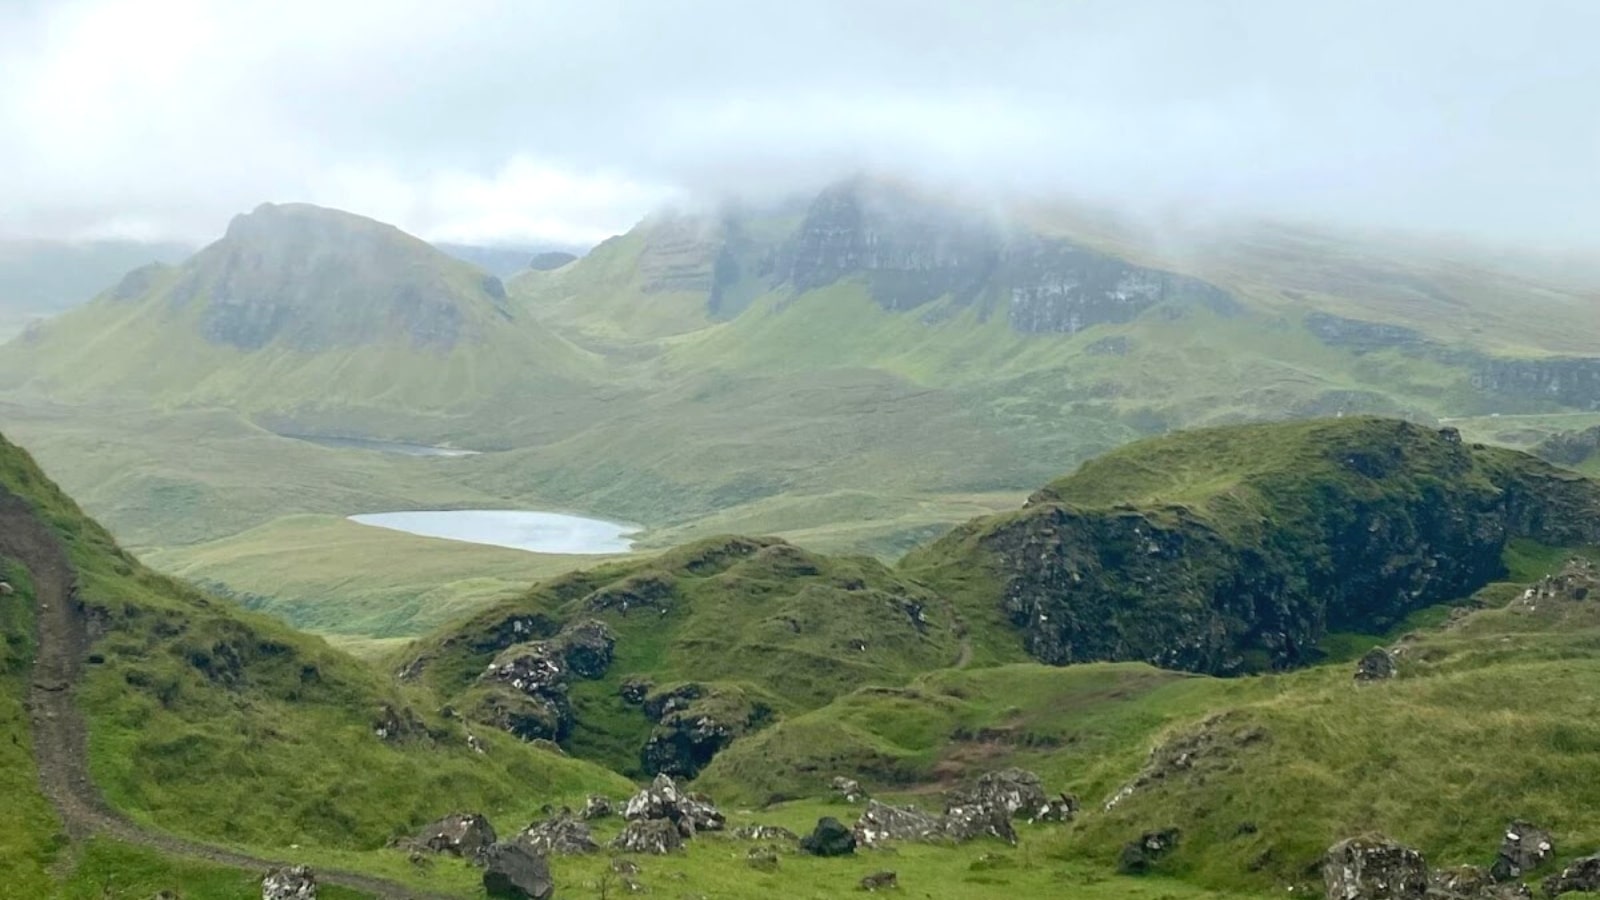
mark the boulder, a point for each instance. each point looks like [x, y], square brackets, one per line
[1582, 875]
[1472, 883]
[1018, 791]
[1373, 867]
[289, 883]
[975, 820]
[514, 872]
[633, 691]
[657, 836]
[829, 838]
[763, 858]
[559, 835]
[880, 881]
[1061, 808]
[663, 800]
[1377, 665]
[1139, 856]
[848, 789]
[881, 822]
[1524, 847]
[6, 589]
[764, 833]
[467, 835]
[597, 806]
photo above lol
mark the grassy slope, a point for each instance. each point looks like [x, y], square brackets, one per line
[29, 837]
[198, 711]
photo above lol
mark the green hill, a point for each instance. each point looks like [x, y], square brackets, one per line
[39, 279]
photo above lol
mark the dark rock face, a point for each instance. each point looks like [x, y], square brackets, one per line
[1395, 518]
[514, 872]
[1582, 875]
[657, 836]
[289, 883]
[881, 881]
[914, 250]
[829, 838]
[1374, 868]
[1376, 664]
[559, 835]
[693, 724]
[1524, 847]
[467, 835]
[1139, 856]
[532, 703]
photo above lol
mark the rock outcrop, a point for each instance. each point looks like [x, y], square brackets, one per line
[661, 816]
[829, 838]
[513, 872]
[1019, 792]
[289, 883]
[848, 789]
[880, 822]
[1523, 848]
[765, 833]
[657, 836]
[1374, 868]
[560, 835]
[466, 835]
[1580, 876]
[1473, 883]
[597, 806]
[1138, 857]
[531, 680]
[1376, 664]
[694, 722]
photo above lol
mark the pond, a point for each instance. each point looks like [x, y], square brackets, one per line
[538, 532]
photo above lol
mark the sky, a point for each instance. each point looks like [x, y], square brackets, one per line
[564, 122]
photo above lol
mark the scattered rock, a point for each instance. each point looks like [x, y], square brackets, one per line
[662, 800]
[881, 822]
[534, 675]
[560, 835]
[1062, 808]
[1472, 883]
[597, 806]
[657, 836]
[848, 789]
[764, 833]
[514, 872]
[1214, 742]
[1018, 791]
[829, 838]
[1582, 875]
[634, 690]
[1139, 856]
[880, 881]
[763, 858]
[1377, 665]
[467, 835]
[1373, 867]
[1524, 847]
[975, 820]
[624, 866]
[289, 883]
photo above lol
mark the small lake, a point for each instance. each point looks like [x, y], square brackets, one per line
[538, 532]
[400, 447]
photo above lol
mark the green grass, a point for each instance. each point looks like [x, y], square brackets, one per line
[29, 832]
[107, 870]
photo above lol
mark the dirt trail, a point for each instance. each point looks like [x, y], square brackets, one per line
[60, 737]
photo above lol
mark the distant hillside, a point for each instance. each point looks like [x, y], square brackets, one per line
[309, 316]
[41, 278]
[506, 261]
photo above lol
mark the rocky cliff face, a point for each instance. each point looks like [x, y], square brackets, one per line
[1361, 525]
[316, 278]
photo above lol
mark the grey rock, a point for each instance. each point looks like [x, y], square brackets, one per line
[1377, 665]
[289, 883]
[663, 800]
[880, 822]
[1018, 791]
[1523, 848]
[597, 806]
[624, 866]
[1139, 856]
[1472, 883]
[965, 822]
[880, 881]
[657, 836]
[1372, 867]
[467, 835]
[764, 833]
[848, 789]
[763, 858]
[560, 835]
[514, 872]
[1582, 875]
[829, 838]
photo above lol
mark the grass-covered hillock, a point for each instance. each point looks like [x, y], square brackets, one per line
[1238, 549]
[741, 630]
[212, 722]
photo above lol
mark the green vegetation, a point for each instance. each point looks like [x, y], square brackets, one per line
[29, 839]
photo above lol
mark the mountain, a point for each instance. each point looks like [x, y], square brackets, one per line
[506, 261]
[313, 318]
[41, 278]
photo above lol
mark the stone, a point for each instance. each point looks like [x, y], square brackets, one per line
[880, 881]
[624, 866]
[829, 838]
[597, 806]
[289, 883]
[633, 691]
[1472, 883]
[1377, 665]
[764, 833]
[467, 835]
[1523, 848]
[657, 836]
[881, 822]
[974, 820]
[1372, 867]
[514, 872]
[1582, 875]
[1018, 791]
[559, 835]
[663, 800]
[6, 589]
[1061, 808]
[848, 789]
[763, 858]
[1139, 856]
